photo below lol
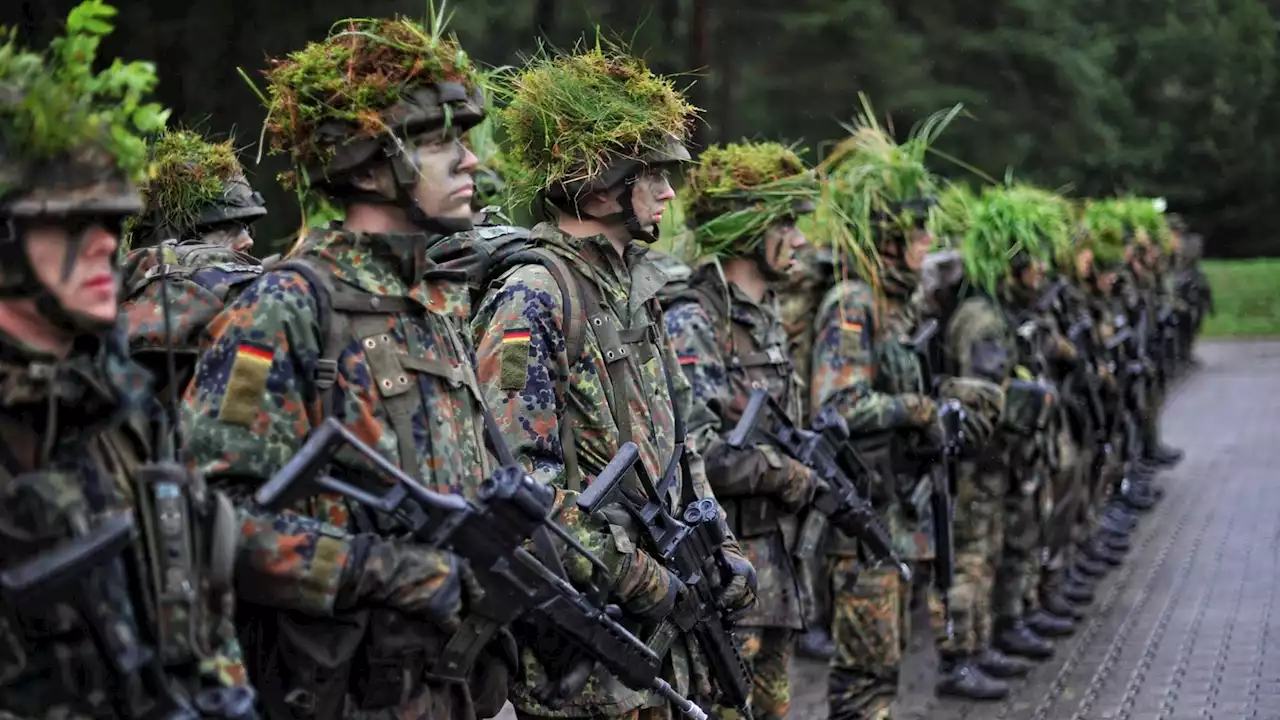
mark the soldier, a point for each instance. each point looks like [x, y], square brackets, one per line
[743, 201]
[878, 196]
[195, 235]
[572, 353]
[97, 621]
[344, 617]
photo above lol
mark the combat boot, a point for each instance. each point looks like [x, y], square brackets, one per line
[1013, 637]
[998, 665]
[1059, 605]
[1119, 515]
[1137, 494]
[1095, 550]
[1077, 589]
[1046, 625]
[816, 644]
[1091, 568]
[1115, 540]
[1164, 456]
[962, 677]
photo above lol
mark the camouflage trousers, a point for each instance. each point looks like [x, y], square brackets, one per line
[870, 627]
[1018, 571]
[979, 533]
[1151, 419]
[767, 652]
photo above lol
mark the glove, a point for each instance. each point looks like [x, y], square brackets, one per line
[647, 589]
[797, 484]
[405, 576]
[738, 578]
[983, 403]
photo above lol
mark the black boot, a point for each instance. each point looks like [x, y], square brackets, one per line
[816, 644]
[1137, 495]
[1163, 455]
[1050, 626]
[1118, 542]
[1095, 550]
[962, 677]
[1058, 605]
[998, 665]
[1077, 589]
[1091, 568]
[1013, 637]
[1121, 515]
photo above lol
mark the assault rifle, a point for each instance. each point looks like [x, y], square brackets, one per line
[689, 547]
[826, 450]
[490, 533]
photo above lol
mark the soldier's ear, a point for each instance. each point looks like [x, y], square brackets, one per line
[374, 178]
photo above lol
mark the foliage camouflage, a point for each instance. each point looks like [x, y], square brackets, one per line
[188, 174]
[52, 103]
[947, 220]
[1006, 221]
[869, 177]
[736, 191]
[354, 76]
[569, 116]
[1111, 223]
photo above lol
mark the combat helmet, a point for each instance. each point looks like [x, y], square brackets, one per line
[1009, 227]
[591, 121]
[71, 144]
[876, 191]
[194, 185]
[359, 95]
[1115, 225]
[737, 191]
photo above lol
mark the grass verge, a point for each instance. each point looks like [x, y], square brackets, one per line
[1246, 296]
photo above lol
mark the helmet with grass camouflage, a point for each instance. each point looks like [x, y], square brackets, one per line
[359, 93]
[195, 184]
[877, 190]
[1113, 224]
[735, 192]
[1008, 228]
[71, 140]
[588, 121]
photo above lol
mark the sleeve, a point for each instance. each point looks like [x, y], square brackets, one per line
[243, 417]
[730, 472]
[844, 368]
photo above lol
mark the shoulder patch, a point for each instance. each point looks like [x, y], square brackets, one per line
[515, 359]
[246, 384]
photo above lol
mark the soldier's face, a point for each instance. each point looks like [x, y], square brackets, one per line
[446, 180]
[236, 235]
[1033, 274]
[88, 285]
[917, 248]
[1106, 281]
[781, 243]
[650, 194]
[1084, 263]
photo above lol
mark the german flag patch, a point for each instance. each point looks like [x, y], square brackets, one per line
[851, 326]
[246, 384]
[515, 358]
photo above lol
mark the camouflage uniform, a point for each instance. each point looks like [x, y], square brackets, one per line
[563, 422]
[405, 387]
[728, 345]
[976, 337]
[861, 367]
[348, 618]
[115, 604]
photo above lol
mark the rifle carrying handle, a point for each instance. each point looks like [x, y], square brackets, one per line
[601, 490]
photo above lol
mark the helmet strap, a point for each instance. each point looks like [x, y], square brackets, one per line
[14, 256]
[405, 173]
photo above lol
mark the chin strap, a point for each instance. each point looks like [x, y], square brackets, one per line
[405, 173]
[29, 287]
[628, 214]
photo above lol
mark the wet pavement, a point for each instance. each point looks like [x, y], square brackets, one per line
[1181, 630]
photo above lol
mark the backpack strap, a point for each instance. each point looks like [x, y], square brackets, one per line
[332, 332]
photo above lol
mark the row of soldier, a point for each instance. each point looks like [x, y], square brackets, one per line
[424, 465]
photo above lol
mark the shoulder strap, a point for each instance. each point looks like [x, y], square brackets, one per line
[333, 330]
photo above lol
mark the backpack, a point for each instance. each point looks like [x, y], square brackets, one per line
[202, 278]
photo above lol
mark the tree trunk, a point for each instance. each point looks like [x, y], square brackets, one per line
[700, 62]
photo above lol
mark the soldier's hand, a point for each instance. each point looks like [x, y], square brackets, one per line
[918, 410]
[983, 402]
[738, 578]
[798, 486]
[408, 577]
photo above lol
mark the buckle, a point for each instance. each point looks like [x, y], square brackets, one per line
[326, 373]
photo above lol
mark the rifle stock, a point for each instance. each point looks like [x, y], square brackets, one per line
[511, 509]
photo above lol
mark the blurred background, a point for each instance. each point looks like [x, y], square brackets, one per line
[1172, 98]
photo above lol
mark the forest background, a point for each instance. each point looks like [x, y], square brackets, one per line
[1171, 98]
